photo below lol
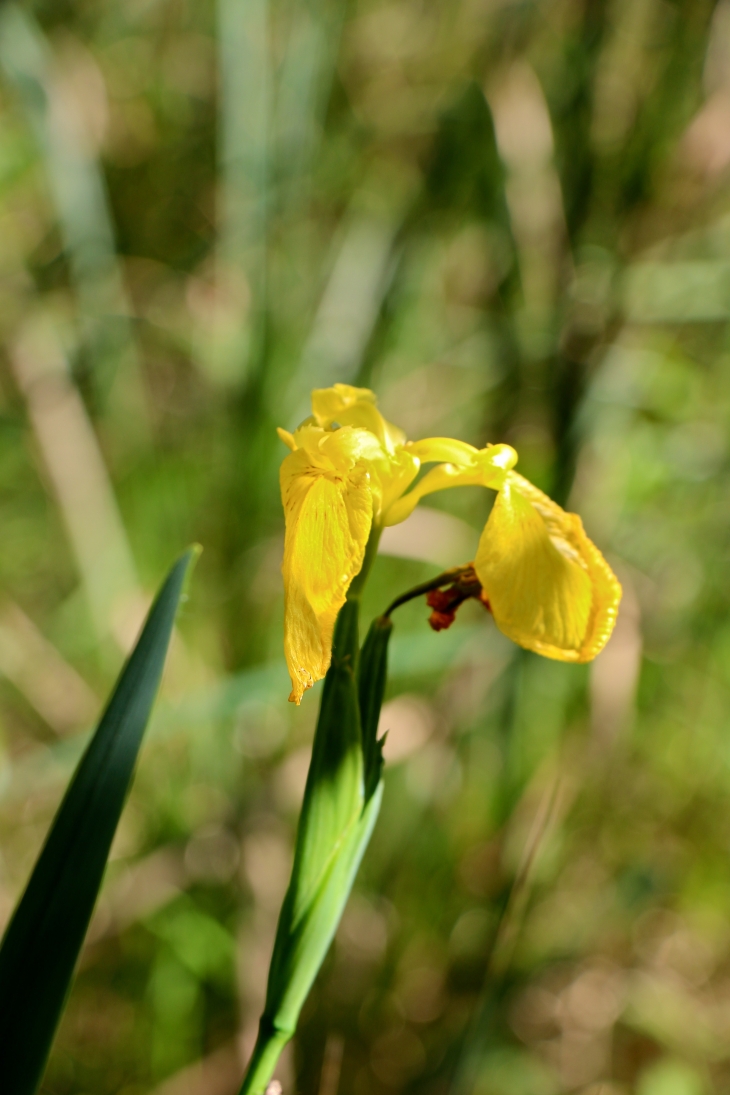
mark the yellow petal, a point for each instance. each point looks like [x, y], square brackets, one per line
[336, 450]
[349, 444]
[442, 450]
[481, 467]
[287, 438]
[328, 519]
[329, 403]
[441, 477]
[349, 406]
[548, 585]
[392, 476]
[493, 460]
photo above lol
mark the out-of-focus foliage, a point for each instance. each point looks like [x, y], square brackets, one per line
[513, 221]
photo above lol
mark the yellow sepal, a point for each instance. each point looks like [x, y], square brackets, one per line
[549, 588]
[328, 508]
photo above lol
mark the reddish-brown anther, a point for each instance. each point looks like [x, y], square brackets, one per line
[440, 618]
[445, 602]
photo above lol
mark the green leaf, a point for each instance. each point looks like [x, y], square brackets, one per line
[372, 676]
[44, 937]
[333, 803]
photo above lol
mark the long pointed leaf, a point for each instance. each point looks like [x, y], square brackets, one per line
[44, 937]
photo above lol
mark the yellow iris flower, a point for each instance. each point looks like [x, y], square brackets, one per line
[347, 477]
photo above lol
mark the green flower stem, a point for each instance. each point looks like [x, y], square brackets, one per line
[340, 807]
[269, 1045]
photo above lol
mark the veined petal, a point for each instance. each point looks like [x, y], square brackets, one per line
[328, 519]
[549, 588]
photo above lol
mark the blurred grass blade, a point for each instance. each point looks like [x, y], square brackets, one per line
[361, 272]
[43, 940]
[304, 88]
[244, 122]
[77, 472]
[243, 57]
[46, 86]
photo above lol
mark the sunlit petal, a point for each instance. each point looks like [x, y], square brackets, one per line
[349, 406]
[394, 478]
[442, 450]
[328, 404]
[487, 468]
[439, 478]
[548, 586]
[328, 521]
[495, 459]
[287, 438]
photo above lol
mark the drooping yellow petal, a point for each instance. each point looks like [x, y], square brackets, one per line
[328, 518]
[549, 588]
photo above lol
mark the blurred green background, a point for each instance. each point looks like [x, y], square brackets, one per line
[512, 220]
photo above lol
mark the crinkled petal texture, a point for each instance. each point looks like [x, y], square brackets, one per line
[328, 508]
[549, 588]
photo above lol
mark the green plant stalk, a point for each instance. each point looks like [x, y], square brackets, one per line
[85, 220]
[444, 579]
[308, 952]
[341, 804]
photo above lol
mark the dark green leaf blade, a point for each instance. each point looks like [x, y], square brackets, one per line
[44, 937]
[372, 676]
